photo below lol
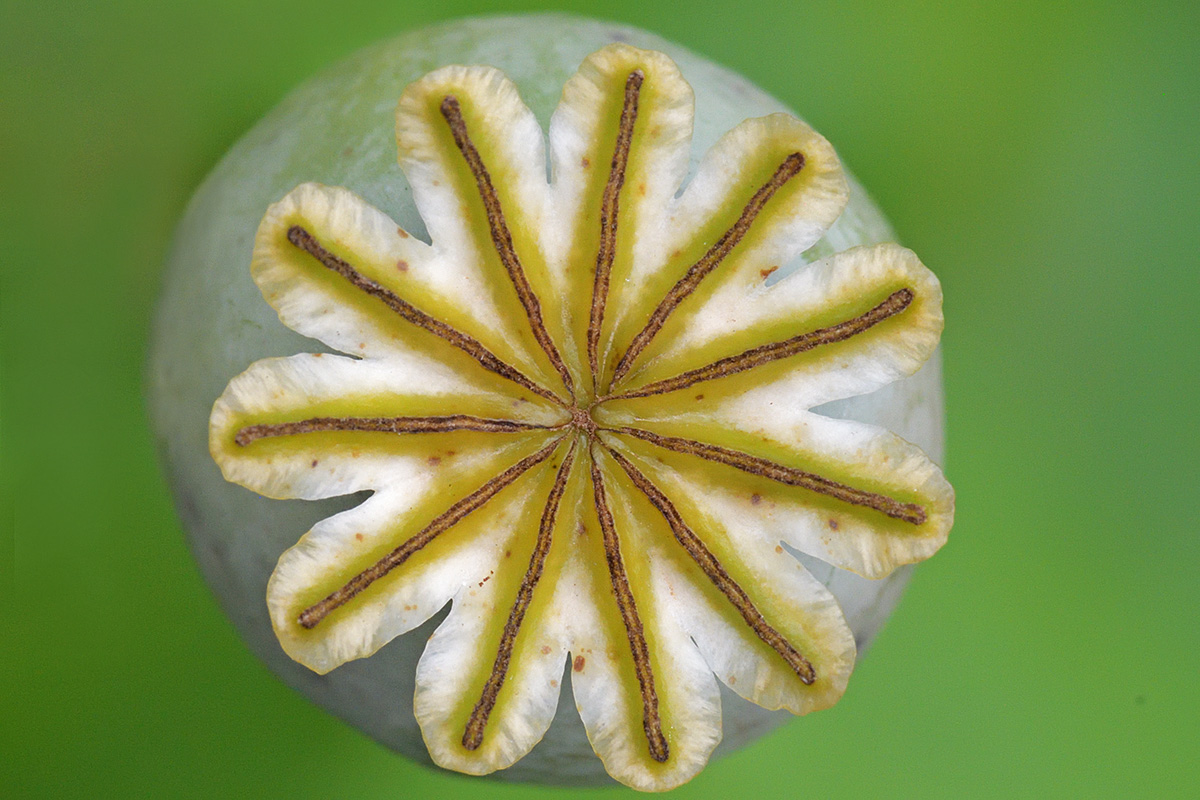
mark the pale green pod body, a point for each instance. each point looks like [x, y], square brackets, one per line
[338, 129]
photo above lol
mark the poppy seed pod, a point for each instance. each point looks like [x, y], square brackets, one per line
[611, 409]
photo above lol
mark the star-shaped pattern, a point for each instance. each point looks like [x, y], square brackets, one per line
[582, 412]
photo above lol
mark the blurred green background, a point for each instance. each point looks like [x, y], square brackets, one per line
[1042, 158]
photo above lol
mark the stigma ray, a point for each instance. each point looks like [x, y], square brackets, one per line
[473, 735]
[502, 237]
[908, 512]
[305, 241]
[711, 567]
[627, 606]
[396, 425]
[788, 169]
[897, 302]
[609, 213]
[313, 615]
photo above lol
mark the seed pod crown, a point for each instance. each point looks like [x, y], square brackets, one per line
[582, 410]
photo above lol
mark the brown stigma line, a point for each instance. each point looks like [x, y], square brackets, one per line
[502, 237]
[454, 422]
[908, 512]
[609, 209]
[473, 735]
[893, 305]
[305, 241]
[716, 573]
[312, 616]
[790, 167]
[651, 720]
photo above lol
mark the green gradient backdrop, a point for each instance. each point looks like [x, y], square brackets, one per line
[1042, 160]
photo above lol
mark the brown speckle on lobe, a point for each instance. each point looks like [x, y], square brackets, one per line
[545, 649]
[433, 461]
[358, 536]
[766, 273]
[755, 499]
[403, 233]
[578, 665]
[314, 463]
[402, 265]
[833, 524]
[585, 162]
